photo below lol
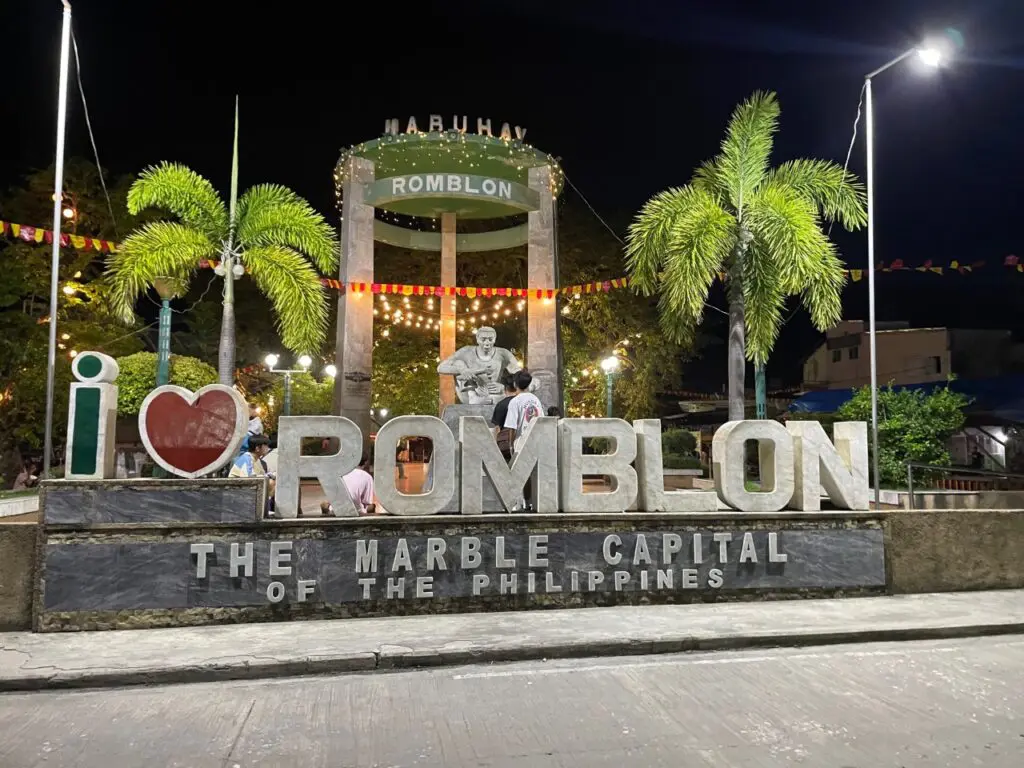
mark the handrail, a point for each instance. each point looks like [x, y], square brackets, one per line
[911, 465]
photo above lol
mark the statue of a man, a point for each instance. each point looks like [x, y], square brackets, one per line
[478, 369]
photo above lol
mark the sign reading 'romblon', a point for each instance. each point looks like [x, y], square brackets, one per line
[450, 183]
[339, 567]
[796, 462]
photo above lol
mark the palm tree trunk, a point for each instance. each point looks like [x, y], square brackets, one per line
[737, 329]
[226, 351]
[737, 353]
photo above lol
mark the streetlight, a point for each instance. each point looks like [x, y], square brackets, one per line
[610, 366]
[932, 56]
[58, 186]
[331, 371]
[304, 362]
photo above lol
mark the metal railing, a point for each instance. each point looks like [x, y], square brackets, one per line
[912, 465]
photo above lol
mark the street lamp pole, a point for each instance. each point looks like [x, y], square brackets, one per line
[58, 209]
[932, 57]
[609, 365]
[305, 361]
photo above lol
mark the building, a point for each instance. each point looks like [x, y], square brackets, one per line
[909, 355]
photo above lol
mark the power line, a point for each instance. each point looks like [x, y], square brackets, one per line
[92, 139]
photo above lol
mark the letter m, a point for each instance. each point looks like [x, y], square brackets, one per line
[538, 456]
[366, 556]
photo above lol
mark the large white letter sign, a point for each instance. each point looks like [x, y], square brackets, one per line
[328, 470]
[92, 418]
[842, 469]
[575, 464]
[537, 458]
[650, 466]
[775, 453]
[442, 466]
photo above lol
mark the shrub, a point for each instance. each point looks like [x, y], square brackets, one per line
[678, 441]
[138, 378]
[679, 461]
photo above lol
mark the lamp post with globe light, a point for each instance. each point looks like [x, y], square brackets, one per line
[610, 366]
[931, 54]
[304, 362]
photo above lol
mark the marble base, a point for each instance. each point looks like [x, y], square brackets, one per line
[95, 502]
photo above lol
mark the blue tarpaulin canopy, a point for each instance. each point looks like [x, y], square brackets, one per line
[1000, 396]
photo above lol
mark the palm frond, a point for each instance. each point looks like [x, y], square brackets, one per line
[162, 249]
[836, 192]
[680, 225]
[676, 245]
[747, 147]
[270, 214]
[786, 226]
[709, 178]
[765, 298]
[823, 294]
[183, 193]
[293, 287]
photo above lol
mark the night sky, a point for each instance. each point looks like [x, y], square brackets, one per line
[631, 95]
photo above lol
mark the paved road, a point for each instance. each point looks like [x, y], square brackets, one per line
[938, 703]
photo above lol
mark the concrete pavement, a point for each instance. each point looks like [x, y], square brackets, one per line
[887, 705]
[38, 661]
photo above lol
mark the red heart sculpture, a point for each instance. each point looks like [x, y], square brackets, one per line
[193, 434]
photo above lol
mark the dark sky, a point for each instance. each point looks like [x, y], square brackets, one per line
[632, 95]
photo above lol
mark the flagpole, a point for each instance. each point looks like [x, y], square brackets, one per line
[58, 205]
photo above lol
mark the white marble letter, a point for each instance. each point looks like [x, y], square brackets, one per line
[328, 470]
[280, 553]
[617, 465]
[775, 454]
[537, 458]
[442, 466]
[841, 468]
[652, 495]
[201, 551]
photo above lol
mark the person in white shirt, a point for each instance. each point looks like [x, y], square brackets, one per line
[523, 409]
[255, 422]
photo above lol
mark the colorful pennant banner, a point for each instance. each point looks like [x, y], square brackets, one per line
[80, 242]
[40, 235]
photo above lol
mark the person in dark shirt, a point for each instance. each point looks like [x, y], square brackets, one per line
[504, 436]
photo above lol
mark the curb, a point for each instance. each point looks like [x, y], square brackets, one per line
[390, 657]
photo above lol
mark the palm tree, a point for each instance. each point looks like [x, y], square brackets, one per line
[269, 232]
[761, 226]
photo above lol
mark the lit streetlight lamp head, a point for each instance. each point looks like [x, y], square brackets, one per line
[331, 371]
[305, 361]
[930, 55]
[383, 413]
[270, 360]
[610, 364]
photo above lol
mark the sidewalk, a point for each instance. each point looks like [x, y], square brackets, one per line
[39, 661]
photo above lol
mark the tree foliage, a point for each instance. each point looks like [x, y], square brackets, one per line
[309, 397]
[137, 378]
[759, 226]
[85, 317]
[913, 425]
[277, 236]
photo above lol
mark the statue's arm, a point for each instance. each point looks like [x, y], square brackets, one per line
[512, 365]
[453, 365]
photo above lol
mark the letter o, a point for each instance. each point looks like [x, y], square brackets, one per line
[775, 458]
[415, 183]
[489, 187]
[275, 591]
[442, 466]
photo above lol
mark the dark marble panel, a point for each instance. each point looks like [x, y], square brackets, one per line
[151, 502]
[110, 577]
[155, 574]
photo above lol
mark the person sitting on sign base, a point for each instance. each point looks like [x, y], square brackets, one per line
[251, 464]
[359, 483]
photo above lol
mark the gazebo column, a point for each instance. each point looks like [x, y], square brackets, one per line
[446, 387]
[354, 353]
[542, 328]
